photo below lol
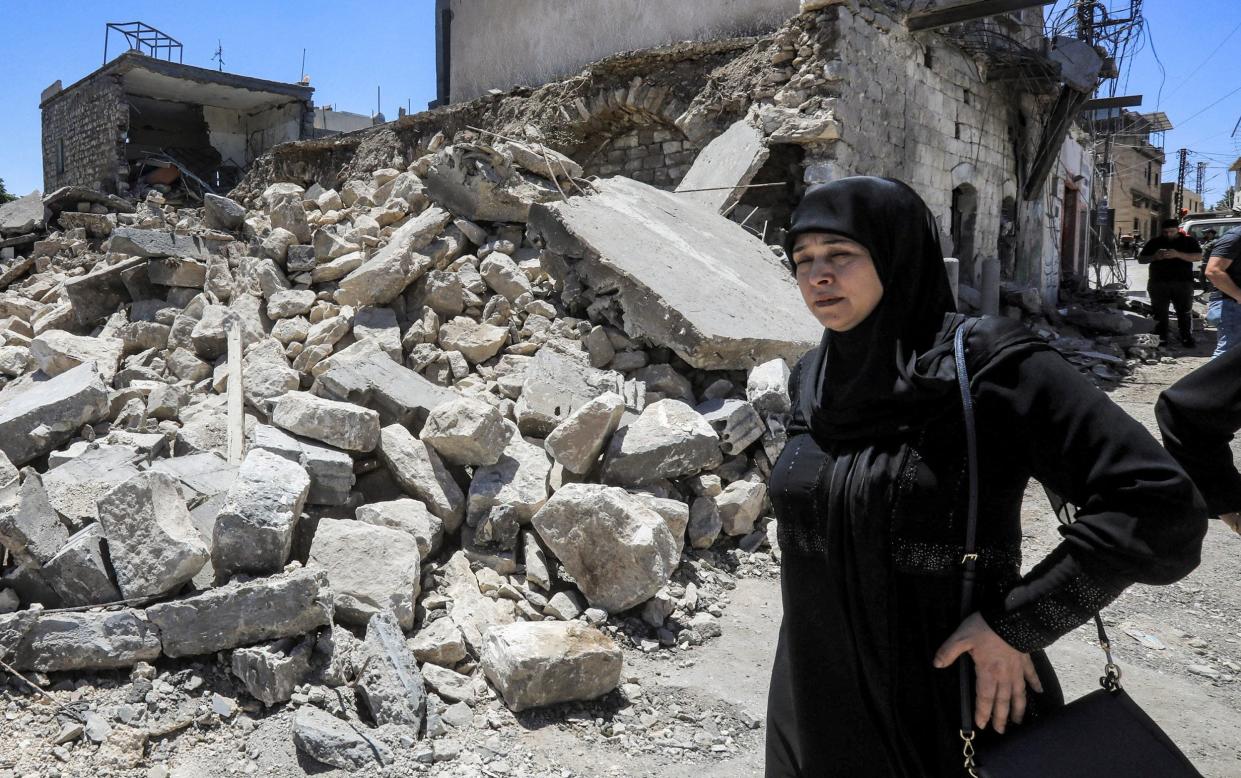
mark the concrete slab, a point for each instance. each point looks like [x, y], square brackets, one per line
[726, 164]
[686, 278]
[363, 374]
[25, 214]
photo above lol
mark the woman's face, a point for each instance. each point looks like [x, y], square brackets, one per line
[837, 279]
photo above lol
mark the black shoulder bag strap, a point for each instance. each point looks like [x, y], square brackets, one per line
[969, 560]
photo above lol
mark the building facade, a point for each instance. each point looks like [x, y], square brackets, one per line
[1134, 197]
[137, 113]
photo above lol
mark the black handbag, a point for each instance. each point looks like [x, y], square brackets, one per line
[1104, 734]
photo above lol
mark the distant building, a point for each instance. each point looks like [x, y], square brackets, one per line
[1190, 200]
[1135, 197]
[137, 113]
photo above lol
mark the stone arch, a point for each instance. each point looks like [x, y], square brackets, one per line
[631, 131]
[964, 173]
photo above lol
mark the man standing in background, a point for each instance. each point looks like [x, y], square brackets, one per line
[1224, 271]
[1172, 257]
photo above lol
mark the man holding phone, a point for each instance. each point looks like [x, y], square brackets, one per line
[1172, 256]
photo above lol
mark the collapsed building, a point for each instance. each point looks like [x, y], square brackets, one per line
[974, 115]
[140, 120]
[465, 405]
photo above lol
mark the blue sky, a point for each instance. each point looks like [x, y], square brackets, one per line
[352, 47]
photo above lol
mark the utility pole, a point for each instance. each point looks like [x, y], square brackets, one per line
[1202, 177]
[1085, 20]
[1180, 181]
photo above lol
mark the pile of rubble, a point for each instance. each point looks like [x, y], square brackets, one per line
[495, 418]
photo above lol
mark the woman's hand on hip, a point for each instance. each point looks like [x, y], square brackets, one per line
[1001, 672]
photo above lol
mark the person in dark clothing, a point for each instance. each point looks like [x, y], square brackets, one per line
[1224, 273]
[870, 498]
[1172, 256]
[1198, 416]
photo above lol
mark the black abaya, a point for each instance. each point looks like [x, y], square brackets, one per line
[871, 535]
[870, 502]
[1199, 415]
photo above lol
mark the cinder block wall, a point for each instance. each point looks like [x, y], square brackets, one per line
[90, 120]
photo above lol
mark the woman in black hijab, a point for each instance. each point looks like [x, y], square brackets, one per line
[870, 496]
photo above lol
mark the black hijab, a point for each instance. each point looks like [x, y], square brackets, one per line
[890, 371]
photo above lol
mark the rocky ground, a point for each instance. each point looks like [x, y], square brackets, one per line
[496, 502]
[699, 708]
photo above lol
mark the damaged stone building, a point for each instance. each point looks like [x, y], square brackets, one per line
[971, 114]
[139, 119]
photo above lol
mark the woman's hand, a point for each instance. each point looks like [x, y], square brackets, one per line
[1001, 672]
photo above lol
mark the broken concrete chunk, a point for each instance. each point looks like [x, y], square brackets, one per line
[152, 542]
[272, 670]
[481, 184]
[518, 482]
[254, 530]
[674, 513]
[330, 470]
[617, 549]
[420, 472]
[556, 385]
[478, 341]
[450, 685]
[439, 643]
[57, 351]
[736, 422]
[731, 305]
[343, 425]
[380, 326]
[503, 276]
[88, 641]
[740, 504]
[265, 373]
[327, 739]
[75, 487]
[544, 663]
[288, 303]
[725, 166]
[78, 572]
[29, 527]
[767, 387]
[391, 686]
[472, 611]
[23, 215]
[240, 614]
[705, 524]
[370, 568]
[222, 213]
[384, 276]
[45, 413]
[577, 442]
[408, 516]
[540, 160]
[177, 271]
[364, 375]
[466, 431]
[203, 475]
[669, 440]
[140, 242]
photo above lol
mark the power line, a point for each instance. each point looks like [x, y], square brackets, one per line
[1208, 57]
[1209, 107]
